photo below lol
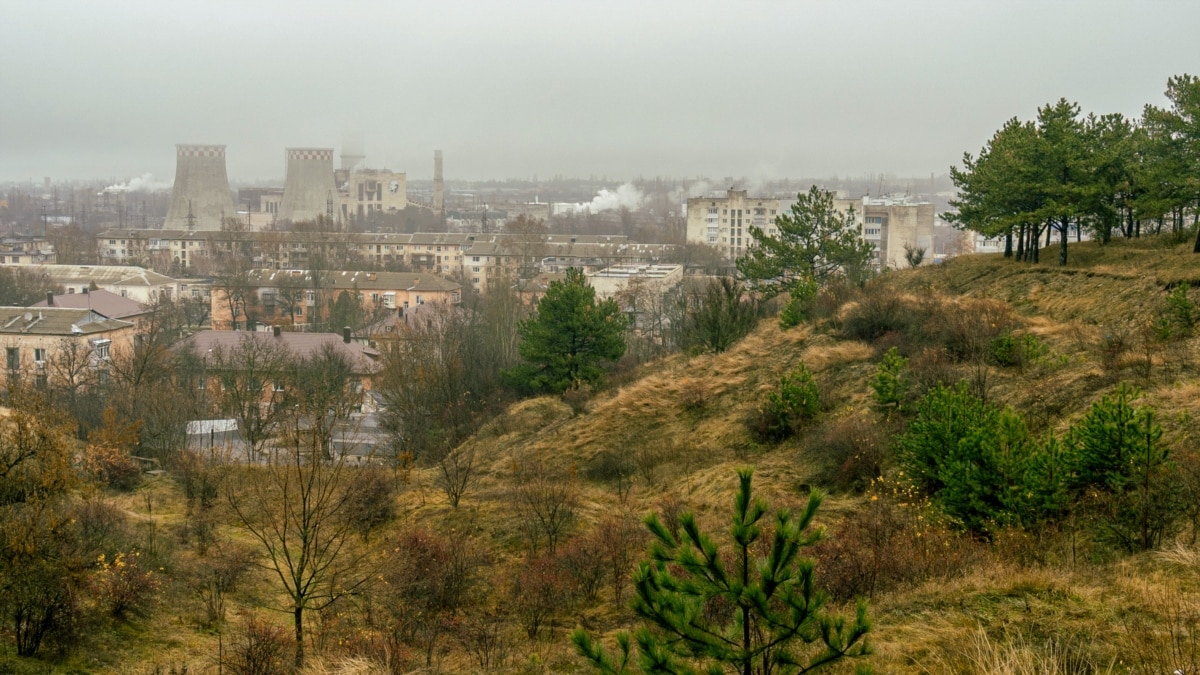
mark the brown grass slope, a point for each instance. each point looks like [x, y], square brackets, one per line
[1008, 610]
[1040, 602]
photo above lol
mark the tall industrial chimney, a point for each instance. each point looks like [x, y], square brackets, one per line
[308, 190]
[200, 197]
[439, 195]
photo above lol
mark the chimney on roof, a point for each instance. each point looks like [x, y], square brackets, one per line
[49, 298]
[277, 331]
[346, 334]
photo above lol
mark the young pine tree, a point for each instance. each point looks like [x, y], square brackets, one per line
[709, 611]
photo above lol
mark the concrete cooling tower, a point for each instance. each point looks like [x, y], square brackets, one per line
[308, 189]
[200, 196]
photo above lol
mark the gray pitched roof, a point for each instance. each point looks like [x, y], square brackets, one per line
[55, 321]
[362, 357]
[116, 275]
[102, 302]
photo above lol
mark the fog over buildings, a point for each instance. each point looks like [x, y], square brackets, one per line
[516, 89]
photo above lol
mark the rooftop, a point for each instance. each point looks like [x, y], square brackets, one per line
[102, 302]
[115, 275]
[361, 280]
[304, 345]
[55, 321]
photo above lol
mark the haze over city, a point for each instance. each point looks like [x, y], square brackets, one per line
[616, 89]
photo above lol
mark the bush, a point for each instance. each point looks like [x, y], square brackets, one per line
[965, 329]
[112, 467]
[124, 587]
[853, 449]
[796, 401]
[723, 315]
[258, 648]
[1179, 310]
[831, 297]
[799, 304]
[879, 311]
[978, 462]
[890, 384]
[885, 545]
[1017, 351]
[539, 591]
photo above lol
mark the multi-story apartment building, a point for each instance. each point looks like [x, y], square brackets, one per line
[26, 250]
[292, 299]
[892, 223]
[889, 223]
[724, 222]
[480, 260]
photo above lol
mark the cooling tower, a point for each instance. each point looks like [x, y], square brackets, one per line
[200, 196]
[439, 196]
[308, 189]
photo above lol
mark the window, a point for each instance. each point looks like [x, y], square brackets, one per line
[101, 347]
[278, 387]
[39, 355]
[13, 355]
[311, 296]
[299, 310]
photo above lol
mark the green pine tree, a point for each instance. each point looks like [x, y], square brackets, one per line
[567, 343]
[706, 611]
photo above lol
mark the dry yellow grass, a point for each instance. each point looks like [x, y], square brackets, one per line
[1001, 616]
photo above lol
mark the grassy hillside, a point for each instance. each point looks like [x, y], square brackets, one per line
[1051, 600]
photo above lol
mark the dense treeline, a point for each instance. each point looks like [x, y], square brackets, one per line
[1066, 173]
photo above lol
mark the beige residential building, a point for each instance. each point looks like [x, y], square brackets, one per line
[724, 222]
[479, 260]
[44, 345]
[891, 223]
[137, 284]
[26, 250]
[288, 298]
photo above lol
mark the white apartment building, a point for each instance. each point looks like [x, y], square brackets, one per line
[724, 222]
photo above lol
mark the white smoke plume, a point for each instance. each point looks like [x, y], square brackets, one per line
[627, 196]
[142, 183]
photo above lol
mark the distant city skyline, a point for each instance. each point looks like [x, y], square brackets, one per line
[761, 89]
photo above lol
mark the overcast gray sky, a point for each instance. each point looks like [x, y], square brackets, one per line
[517, 88]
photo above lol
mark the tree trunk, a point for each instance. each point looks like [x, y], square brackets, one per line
[298, 620]
[1064, 226]
[1021, 244]
[1196, 246]
[1008, 252]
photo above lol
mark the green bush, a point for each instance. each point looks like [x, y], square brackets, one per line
[799, 305]
[796, 401]
[978, 462]
[1180, 309]
[890, 384]
[1017, 351]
